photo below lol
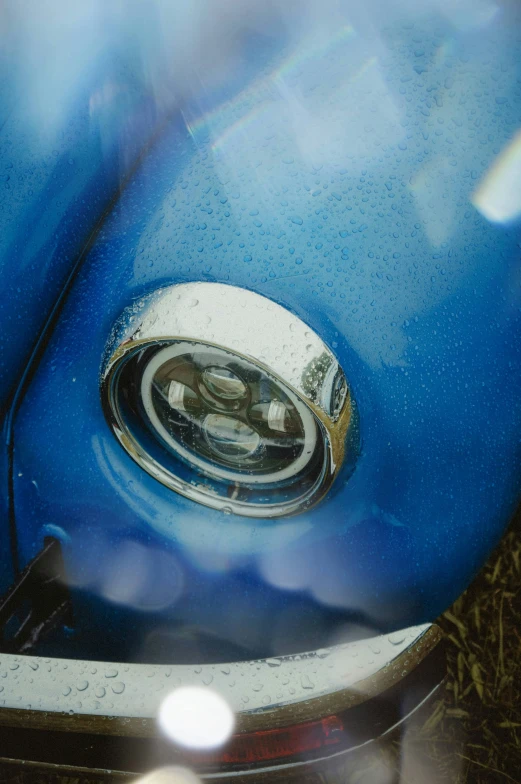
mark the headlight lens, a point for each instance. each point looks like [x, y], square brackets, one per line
[224, 428]
[229, 419]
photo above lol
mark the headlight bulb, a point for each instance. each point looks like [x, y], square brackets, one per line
[229, 438]
[223, 383]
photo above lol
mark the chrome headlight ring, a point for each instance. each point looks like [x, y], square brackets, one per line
[227, 398]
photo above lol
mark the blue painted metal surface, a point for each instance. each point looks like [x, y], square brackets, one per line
[346, 179]
[75, 113]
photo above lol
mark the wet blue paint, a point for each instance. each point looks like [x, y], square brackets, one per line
[346, 197]
[75, 114]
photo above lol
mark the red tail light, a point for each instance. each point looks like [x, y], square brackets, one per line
[284, 742]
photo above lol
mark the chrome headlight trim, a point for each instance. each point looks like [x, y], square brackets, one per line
[252, 328]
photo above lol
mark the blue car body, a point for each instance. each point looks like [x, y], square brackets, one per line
[339, 169]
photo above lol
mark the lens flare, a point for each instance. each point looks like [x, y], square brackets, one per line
[498, 196]
[254, 100]
[196, 717]
[170, 775]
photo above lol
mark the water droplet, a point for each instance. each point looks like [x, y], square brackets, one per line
[82, 685]
[273, 662]
[111, 674]
[397, 638]
[14, 666]
[306, 683]
[207, 679]
[118, 687]
[66, 691]
[32, 664]
[323, 652]
[100, 692]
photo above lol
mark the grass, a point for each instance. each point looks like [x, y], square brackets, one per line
[482, 706]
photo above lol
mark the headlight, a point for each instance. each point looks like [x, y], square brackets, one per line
[227, 398]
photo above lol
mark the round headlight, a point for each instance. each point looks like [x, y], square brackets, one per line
[227, 398]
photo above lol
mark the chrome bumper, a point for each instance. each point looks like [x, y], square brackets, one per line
[70, 716]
